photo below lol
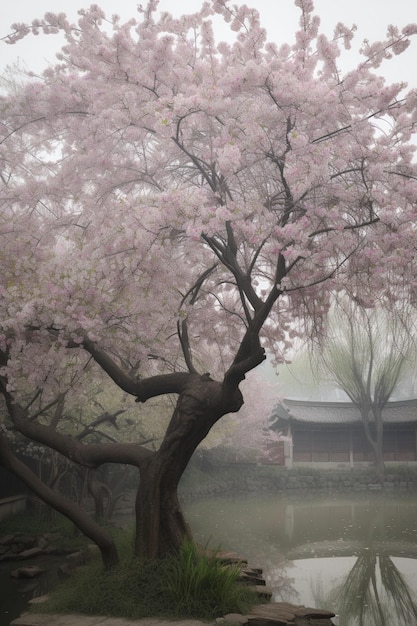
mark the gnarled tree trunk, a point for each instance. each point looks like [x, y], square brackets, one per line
[160, 524]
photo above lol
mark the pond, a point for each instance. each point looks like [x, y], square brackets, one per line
[15, 594]
[354, 555]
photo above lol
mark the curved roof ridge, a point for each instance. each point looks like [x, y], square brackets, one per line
[322, 412]
[344, 403]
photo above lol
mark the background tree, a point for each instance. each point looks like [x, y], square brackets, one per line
[167, 197]
[366, 353]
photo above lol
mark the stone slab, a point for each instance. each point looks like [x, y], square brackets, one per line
[30, 571]
[284, 613]
[34, 619]
[313, 614]
[29, 553]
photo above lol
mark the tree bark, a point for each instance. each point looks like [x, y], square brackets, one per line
[160, 524]
[102, 497]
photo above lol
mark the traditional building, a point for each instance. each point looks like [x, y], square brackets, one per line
[331, 434]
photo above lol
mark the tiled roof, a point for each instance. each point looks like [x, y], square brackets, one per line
[400, 412]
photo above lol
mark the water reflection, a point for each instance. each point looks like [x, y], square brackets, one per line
[355, 556]
[373, 592]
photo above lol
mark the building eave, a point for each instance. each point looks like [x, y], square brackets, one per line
[319, 413]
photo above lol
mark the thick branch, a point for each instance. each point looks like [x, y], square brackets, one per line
[241, 366]
[227, 253]
[101, 419]
[250, 353]
[87, 455]
[122, 380]
[182, 329]
[68, 508]
[142, 389]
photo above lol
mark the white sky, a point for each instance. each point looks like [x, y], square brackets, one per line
[279, 16]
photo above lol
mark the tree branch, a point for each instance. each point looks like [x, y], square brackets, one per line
[101, 419]
[182, 330]
[142, 389]
[227, 253]
[68, 508]
[87, 455]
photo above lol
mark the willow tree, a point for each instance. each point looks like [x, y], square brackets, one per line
[166, 196]
[367, 353]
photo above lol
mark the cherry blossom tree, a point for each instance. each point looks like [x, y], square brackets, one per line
[173, 206]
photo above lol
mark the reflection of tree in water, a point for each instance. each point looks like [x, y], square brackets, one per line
[373, 592]
[276, 576]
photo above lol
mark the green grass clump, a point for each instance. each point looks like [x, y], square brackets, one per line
[198, 584]
[189, 583]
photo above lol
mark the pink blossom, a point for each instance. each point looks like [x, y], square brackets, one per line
[151, 172]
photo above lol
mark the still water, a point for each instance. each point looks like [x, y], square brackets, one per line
[15, 594]
[355, 556]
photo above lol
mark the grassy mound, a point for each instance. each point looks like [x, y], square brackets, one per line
[187, 584]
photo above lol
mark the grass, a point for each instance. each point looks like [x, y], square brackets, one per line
[197, 584]
[188, 584]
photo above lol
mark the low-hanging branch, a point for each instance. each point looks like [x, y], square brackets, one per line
[67, 507]
[87, 455]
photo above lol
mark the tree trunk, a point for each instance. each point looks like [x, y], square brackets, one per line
[102, 497]
[374, 431]
[379, 463]
[160, 524]
[377, 451]
[379, 443]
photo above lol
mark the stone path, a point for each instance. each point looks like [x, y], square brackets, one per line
[271, 614]
[284, 614]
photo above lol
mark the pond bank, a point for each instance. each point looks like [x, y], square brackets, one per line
[262, 614]
[251, 478]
